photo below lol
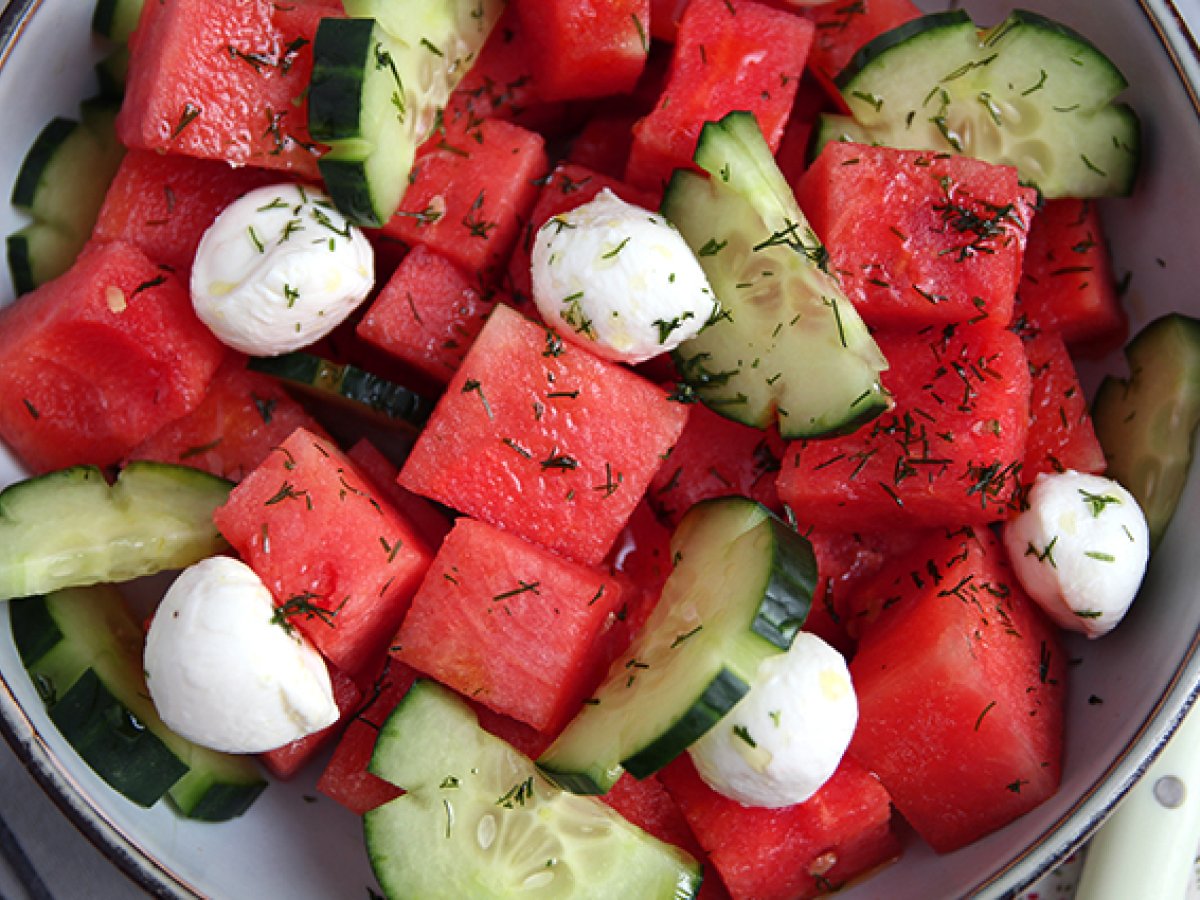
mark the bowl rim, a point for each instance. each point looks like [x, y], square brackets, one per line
[1058, 839]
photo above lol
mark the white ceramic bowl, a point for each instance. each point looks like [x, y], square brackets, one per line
[1146, 673]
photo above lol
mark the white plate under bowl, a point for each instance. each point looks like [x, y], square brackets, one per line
[1126, 691]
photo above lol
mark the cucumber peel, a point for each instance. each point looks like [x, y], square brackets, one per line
[1147, 422]
[1029, 93]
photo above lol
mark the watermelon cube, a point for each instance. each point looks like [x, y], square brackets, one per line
[1067, 284]
[427, 314]
[586, 48]
[244, 415]
[164, 203]
[794, 852]
[1061, 435]
[224, 81]
[543, 439]
[729, 55]
[949, 452]
[95, 361]
[960, 681]
[341, 563]
[919, 238]
[471, 188]
[509, 624]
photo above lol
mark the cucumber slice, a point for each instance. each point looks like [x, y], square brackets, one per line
[741, 588]
[347, 385]
[1147, 423]
[70, 528]
[1029, 93]
[83, 650]
[788, 344]
[378, 87]
[90, 679]
[479, 821]
[61, 184]
[116, 19]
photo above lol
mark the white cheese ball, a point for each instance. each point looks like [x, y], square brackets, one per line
[278, 269]
[1080, 549]
[786, 736]
[619, 280]
[223, 673]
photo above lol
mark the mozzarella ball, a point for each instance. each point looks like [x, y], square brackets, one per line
[786, 736]
[224, 672]
[1080, 549]
[278, 269]
[619, 280]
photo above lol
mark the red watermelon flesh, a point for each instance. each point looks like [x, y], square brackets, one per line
[949, 452]
[1061, 435]
[224, 81]
[427, 314]
[729, 55]
[243, 416]
[164, 203]
[919, 238]
[341, 563]
[812, 848]
[960, 682]
[509, 624]
[541, 438]
[95, 361]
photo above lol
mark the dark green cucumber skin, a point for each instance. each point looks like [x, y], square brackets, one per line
[119, 748]
[355, 386]
[35, 632]
[719, 695]
[20, 263]
[342, 51]
[225, 801]
[45, 145]
[793, 577]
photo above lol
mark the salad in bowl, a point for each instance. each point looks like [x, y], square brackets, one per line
[653, 449]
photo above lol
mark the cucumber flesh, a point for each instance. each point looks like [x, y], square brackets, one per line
[740, 590]
[71, 528]
[1147, 423]
[82, 648]
[350, 386]
[1029, 93]
[479, 821]
[377, 88]
[788, 345]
